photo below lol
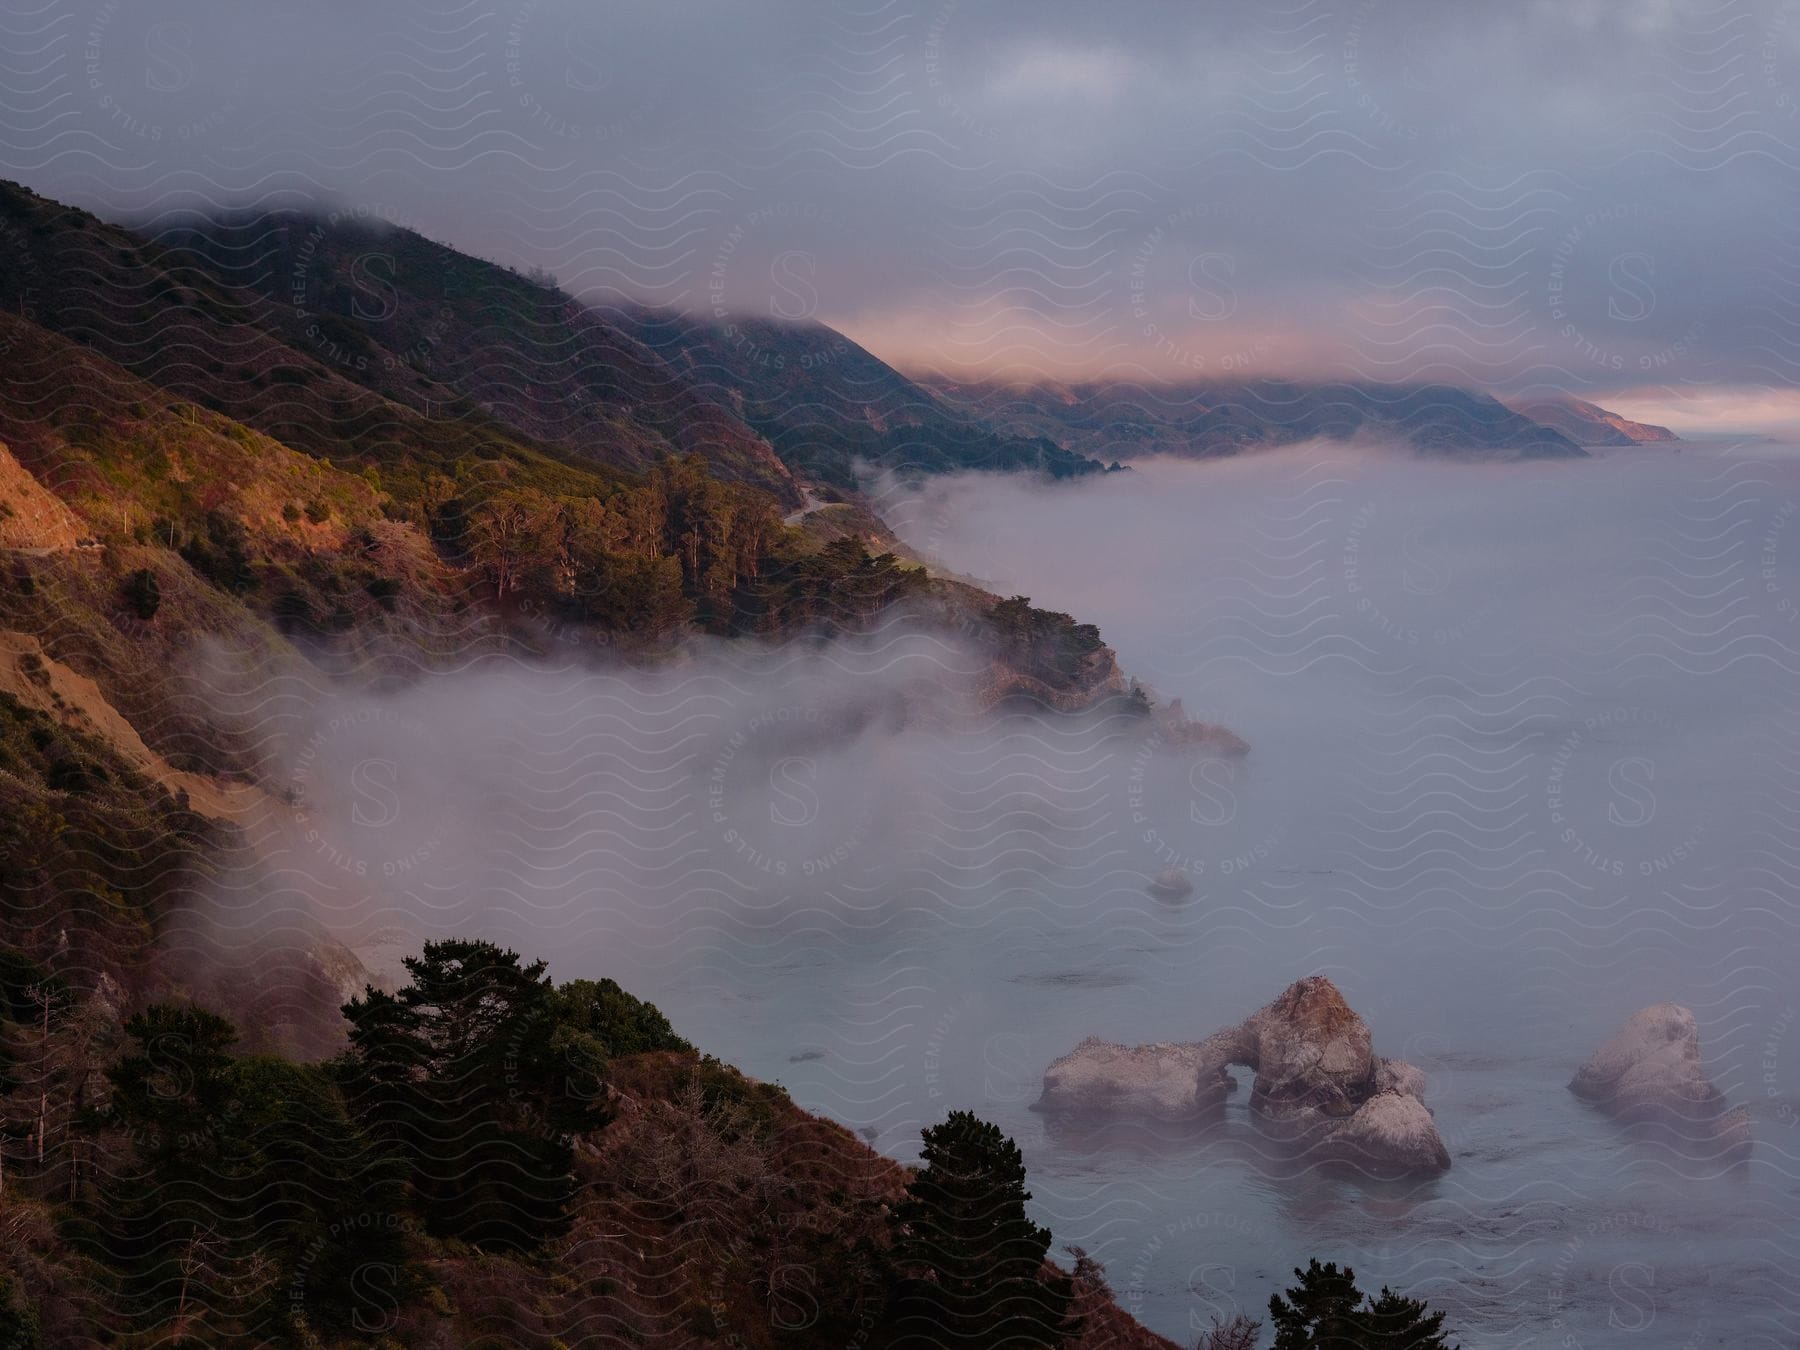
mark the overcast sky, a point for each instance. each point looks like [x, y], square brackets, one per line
[1590, 195]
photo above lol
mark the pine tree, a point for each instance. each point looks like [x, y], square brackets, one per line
[970, 1262]
[242, 1173]
[1319, 1311]
[1394, 1322]
[1326, 1311]
[470, 1074]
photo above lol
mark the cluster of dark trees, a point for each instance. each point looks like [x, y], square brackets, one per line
[1042, 643]
[646, 556]
[220, 1195]
[248, 1191]
[637, 556]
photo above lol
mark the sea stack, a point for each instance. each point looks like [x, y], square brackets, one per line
[1650, 1075]
[1319, 1083]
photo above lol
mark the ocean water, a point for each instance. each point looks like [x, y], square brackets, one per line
[1525, 757]
[1523, 762]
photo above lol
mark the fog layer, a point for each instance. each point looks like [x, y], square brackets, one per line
[1522, 747]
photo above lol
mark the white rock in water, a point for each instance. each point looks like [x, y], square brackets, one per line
[1392, 1131]
[1650, 1072]
[1657, 1050]
[1101, 1077]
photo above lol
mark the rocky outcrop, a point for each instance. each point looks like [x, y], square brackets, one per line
[1391, 1131]
[1104, 1078]
[1649, 1074]
[1171, 725]
[1312, 1055]
[1319, 1083]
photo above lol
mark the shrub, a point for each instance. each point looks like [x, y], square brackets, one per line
[383, 591]
[143, 593]
[18, 1320]
[222, 553]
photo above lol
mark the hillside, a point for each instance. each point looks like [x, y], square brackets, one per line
[1589, 424]
[507, 451]
[1119, 421]
[184, 473]
[562, 1169]
[439, 332]
[31, 516]
[159, 314]
[197, 528]
[178, 477]
[826, 404]
[430, 328]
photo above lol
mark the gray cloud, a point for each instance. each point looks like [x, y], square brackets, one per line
[1577, 196]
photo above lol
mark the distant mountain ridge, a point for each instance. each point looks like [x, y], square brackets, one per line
[427, 326]
[1206, 420]
[1590, 424]
[353, 332]
[827, 404]
[435, 331]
